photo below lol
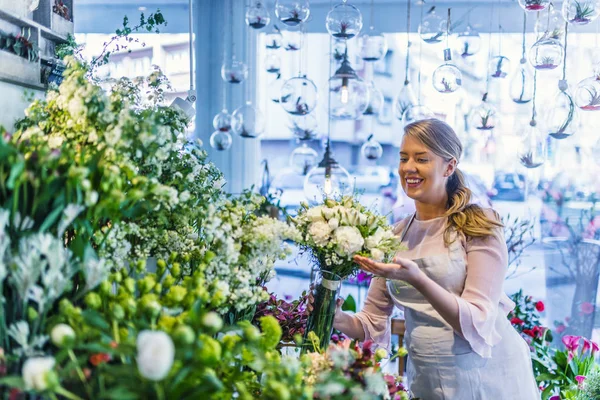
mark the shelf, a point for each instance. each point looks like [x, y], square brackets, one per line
[26, 22]
[8, 79]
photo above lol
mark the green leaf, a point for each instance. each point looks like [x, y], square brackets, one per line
[51, 219]
[96, 320]
[16, 170]
[545, 377]
[13, 382]
[349, 304]
[120, 393]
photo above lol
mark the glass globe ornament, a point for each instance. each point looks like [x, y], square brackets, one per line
[339, 50]
[274, 89]
[534, 5]
[222, 121]
[299, 96]
[521, 85]
[447, 78]
[273, 64]
[532, 149]
[552, 26]
[376, 100]
[433, 27]
[371, 149]
[416, 113]
[484, 116]
[349, 94]
[587, 94]
[344, 21]
[234, 71]
[274, 39]
[257, 15]
[303, 159]
[292, 12]
[499, 67]
[406, 98]
[221, 140]
[468, 42]
[562, 118]
[373, 45]
[546, 53]
[292, 40]
[327, 180]
[304, 127]
[247, 121]
[580, 12]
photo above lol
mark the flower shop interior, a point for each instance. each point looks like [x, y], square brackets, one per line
[165, 166]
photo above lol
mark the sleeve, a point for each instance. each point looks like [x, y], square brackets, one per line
[375, 315]
[483, 296]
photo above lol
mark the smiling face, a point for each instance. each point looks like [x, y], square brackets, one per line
[423, 174]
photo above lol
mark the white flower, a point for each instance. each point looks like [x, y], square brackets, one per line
[212, 321]
[70, 212]
[55, 141]
[375, 239]
[155, 354]
[377, 254]
[35, 372]
[348, 240]
[334, 223]
[328, 213]
[320, 232]
[315, 214]
[62, 335]
[184, 196]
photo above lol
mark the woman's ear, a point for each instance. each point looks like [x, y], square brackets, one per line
[451, 167]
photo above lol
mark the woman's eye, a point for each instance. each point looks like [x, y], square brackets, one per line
[402, 159]
[423, 160]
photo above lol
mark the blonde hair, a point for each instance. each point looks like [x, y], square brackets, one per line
[469, 219]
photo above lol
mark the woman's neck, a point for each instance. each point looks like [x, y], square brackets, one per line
[427, 211]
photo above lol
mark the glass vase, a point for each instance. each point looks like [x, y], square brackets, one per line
[320, 321]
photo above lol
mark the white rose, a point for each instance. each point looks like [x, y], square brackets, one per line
[377, 254]
[155, 354]
[374, 240]
[362, 219]
[314, 214]
[328, 213]
[320, 232]
[35, 372]
[348, 240]
[62, 334]
[334, 223]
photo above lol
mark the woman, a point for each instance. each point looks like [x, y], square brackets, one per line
[460, 344]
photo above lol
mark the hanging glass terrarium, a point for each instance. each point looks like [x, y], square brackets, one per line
[222, 121]
[433, 27]
[344, 21]
[499, 67]
[247, 121]
[234, 71]
[587, 94]
[349, 94]
[273, 64]
[468, 42]
[546, 53]
[304, 127]
[257, 16]
[580, 12]
[274, 39]
[292, 12]
[328, 180]
[293, 40]
[405, 99]
[447, 78]
[483, 117]
[550, 26]
[274, 89]
[375, 100]
[521, 86]
[562, 119]
[303, 159]
[373, 45]
[371, 149]
[299, 96]
[339, 50]
[416, 113]
[532, 149]
[534, 5]
[221, 140]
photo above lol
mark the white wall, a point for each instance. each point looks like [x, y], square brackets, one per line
[13, 103]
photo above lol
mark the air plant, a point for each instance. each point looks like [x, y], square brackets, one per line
[485, 121]
[594, 103]
[447, 86]
[343, 33]
[258, 22]
[292, 47]
[534, 5]
[61, 9]
[274, 45]
[303, 133]
[560, 132]
[465, 52]
[301, 107]
[293, 19]
[233, 77]
[547, 63]
[499, 73]
[583, 12]
[528, 160]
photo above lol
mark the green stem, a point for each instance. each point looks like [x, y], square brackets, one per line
[87, 387]
[65, 393]
[115, 327]
[160, 393]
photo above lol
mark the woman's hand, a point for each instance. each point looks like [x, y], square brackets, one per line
[401, 269]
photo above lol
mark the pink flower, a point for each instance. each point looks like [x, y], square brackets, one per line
[571, 342]
[586, 307]
[540, 306]
[555, 397]
[580, 379]
[586, 346]
[595, 347]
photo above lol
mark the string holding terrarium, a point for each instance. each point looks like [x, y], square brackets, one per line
[372, 43]
[349, 94]
[432, 28]
[233, 70]
[344, 21]
[562, 120]
[257, 15]
[447, 78]
[371, 149]
[406, 97]
[274, 39]
[521, 86]
[292, 12]
[532, 149]
[304, 127]
[580, 12]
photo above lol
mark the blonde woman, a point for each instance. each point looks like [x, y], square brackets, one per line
[449, 283]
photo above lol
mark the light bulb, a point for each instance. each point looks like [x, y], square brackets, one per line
[327, 186]
[344, 94]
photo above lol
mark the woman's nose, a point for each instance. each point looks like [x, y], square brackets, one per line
[408, 166]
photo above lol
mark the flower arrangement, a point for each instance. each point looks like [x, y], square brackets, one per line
[525, 318]
[291, 315]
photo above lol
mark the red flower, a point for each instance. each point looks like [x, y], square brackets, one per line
[516, 321]
[529, 332]
[540, 306]
[99, 358]
[14, 394]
